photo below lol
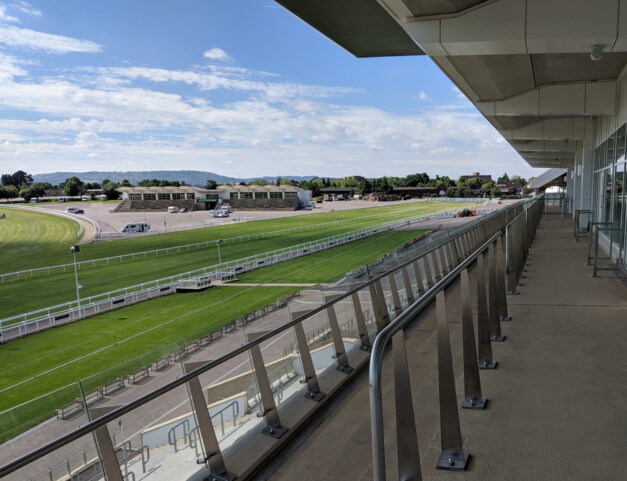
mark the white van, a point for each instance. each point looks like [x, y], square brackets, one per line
[137, 227]
[102, 197]
[71, 210]
[226, 208]
[173, 209]
[84, 198]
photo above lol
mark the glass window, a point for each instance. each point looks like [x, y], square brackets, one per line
[620, 143]
[178, 195]
[191, 196]
[163, 196]
[607, 194]
[261, 195]
[135, 196]
[276, 195]
[150, 196]
[246, 195]
[291, 195]
[609, 153]
[234, 195]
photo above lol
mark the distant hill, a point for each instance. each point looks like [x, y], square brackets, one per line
[190, 177]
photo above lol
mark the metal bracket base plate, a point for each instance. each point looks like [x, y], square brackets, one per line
[453, 460]
[344, 369]
[366, 348]
[514, 293]
[274, 431]
[505, 318]
[487, 364]
[471, 402]
[221, 477]
[499, 338]
[315, 396]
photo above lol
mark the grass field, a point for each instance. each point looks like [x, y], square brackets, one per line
[58, 247]
[170, 319]
[33, 238]
[59, 288]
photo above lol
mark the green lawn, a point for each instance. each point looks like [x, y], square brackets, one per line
[332, 264]
[145, 331]
[29, 238]
[163, 321]
[58, 288]
[57, 246]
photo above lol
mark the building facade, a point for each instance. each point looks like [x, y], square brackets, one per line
[285, 197]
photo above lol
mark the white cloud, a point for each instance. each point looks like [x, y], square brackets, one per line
[273, 126]
[423, 96]
[217, 54]
[13, 36]
[4, 17]
[27, 8]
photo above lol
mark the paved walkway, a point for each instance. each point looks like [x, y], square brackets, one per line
[556, 404]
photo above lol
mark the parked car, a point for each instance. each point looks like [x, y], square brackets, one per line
[183, 210]
[173, 209]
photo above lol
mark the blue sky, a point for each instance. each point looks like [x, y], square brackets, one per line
[237, 87]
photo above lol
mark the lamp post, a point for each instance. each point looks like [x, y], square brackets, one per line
[74, 250]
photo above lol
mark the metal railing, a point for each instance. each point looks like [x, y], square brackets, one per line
[452, 455]
[423, 272]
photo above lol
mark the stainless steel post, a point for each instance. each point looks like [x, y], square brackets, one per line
[409, 292]
[273, 422]
[452, 456]
[311, 379]
[406, 438]
[500, 282]
[473, 399]
[364, 336]
[395, 297]
[212, 456]
[493, 315]
[420, 287]
[483, 325]
[338, 343]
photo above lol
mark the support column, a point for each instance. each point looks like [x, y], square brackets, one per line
[338, 343]
[483, 326]
[309, 371]
[473, 399]
[270, 412]
[452, 456]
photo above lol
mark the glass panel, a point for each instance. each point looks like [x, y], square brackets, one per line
[619, 203]
[232, 395]
[610, 150]
[608, 186]
[26, 425]
[77, 460]
[158, 437]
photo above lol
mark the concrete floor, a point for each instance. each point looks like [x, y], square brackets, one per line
[556, 402]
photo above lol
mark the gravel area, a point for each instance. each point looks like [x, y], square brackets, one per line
[111, 224]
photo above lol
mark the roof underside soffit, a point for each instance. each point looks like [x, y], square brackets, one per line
[525, 64]
[527, 67]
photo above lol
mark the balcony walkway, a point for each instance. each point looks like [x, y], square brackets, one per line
[557, 403]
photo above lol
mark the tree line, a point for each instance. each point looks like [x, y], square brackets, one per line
[20, 184]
